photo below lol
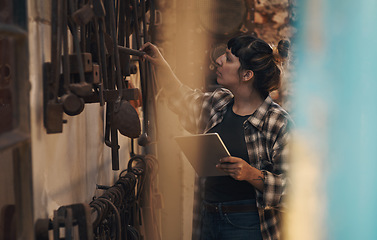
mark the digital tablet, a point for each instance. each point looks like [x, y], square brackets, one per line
[203, 151]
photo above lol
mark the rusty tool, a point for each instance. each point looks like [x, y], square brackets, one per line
[98, 8]
[125, 117]
[121, 22]
[82, 88]
[53, 110]
[127, 121]
[55, 46]
[99, 71]
[128, 29]
[131, 51]
[109, 105]
[116, 57]
[143, 7]
[41, 228]
[81, 217]
[55, 224]
[66, 217]
[68, 223]
[72, 104]
[83, 15]
[136, 23]
[99, 12]
[110, 130]
[144, 139]
[103, 52]
[114, 140]
[124, 58]
[63, 217]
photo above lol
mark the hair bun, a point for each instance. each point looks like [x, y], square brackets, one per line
[281, 51]
[283, 47]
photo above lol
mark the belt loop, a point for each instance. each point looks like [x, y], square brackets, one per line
[220, 209]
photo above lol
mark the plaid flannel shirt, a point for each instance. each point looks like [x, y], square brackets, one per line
[198, 112]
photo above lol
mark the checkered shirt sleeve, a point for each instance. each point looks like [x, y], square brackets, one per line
[270, 153]
[197, 111]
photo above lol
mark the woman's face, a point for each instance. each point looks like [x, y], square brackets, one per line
[227, 70]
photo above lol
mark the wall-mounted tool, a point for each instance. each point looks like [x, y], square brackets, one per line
[61, 92]
[67, 218]
[53, 109]
[115, 214]
[131, 51]
[82, 88]
[84, 15]
[81, 80]
[125, 117]
[72, 103]
[95, 70]
[120, 114]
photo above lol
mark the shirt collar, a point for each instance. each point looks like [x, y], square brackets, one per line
[257, 118]
[222, 103]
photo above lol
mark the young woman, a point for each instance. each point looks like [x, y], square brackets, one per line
[246, 203]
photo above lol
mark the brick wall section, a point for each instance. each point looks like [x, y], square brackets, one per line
[273, 21]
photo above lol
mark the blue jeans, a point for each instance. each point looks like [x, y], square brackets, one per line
[231, 226]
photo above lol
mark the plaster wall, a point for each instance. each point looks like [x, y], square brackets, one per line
[68, 165]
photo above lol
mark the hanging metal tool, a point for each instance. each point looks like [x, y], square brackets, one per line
[82, 80]
[121, 115]
[66, 218]
[114, 105]
[72, 104]
[53, 110]
[82, 88]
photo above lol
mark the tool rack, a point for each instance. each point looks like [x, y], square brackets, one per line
[97, 67]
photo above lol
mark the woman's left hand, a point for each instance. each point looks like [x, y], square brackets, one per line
[236, 167]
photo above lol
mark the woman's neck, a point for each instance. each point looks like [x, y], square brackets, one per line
[246, 104]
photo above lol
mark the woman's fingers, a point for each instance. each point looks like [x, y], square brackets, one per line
[153, 54]
[150, 49]
[145, 46]
[235, 167]
[230, 160]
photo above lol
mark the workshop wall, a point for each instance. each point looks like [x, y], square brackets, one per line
[68, 165]
[273, 20]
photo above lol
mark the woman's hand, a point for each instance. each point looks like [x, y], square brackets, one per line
[240, 170]
[237, 168]
[153, 54]
[165, 75]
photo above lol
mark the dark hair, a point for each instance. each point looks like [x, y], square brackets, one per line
[256, 55]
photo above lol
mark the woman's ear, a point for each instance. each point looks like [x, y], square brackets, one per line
[248, 75]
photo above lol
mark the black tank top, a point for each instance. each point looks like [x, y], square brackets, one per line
[226, 188]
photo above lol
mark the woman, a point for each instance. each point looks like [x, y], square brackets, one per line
[246, 203]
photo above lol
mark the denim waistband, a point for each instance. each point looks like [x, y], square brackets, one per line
[242, 206]
[238, 202]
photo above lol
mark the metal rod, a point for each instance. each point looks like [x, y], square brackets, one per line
[11, 30]
[76, 42]
[116, 54]
[66, 67]
[131, 51]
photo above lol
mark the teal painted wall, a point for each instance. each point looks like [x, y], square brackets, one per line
[335, 101]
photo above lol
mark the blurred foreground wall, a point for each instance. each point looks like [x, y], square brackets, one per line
[334, 150]
[188, 34]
